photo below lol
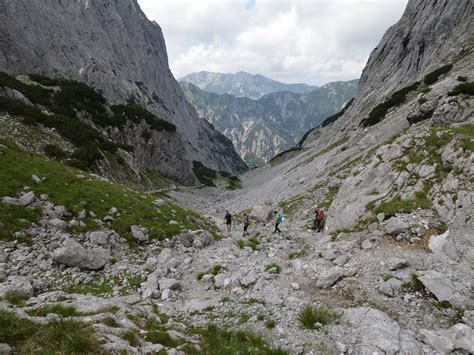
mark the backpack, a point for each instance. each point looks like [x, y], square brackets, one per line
[279, 218]
[320, 214]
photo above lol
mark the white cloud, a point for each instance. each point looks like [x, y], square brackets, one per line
[289, 40]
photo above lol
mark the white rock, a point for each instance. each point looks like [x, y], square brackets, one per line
[396, 263]
[295, 286]
[138, 233]
[27, 198]
[329, 277]
[396, 225]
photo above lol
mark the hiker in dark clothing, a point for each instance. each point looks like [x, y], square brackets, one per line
[278, 220]
[246, 220]
[318, 218]
[228, 221]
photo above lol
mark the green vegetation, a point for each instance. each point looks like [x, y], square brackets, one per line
[462, 78]
[397, 204]
[270, 324]
[378, 112]
[61, 336]
[387, 277]
[15, 218]
[273, 268]
[93, 288]
[17, 299]
[216, 269]
[433, 77]
[300, 253]
[209, 177]
[54, 152]
[216, 341]
[161, 337]
[135, 114]
[65, 311]
[334, 117]
[77, 191]
[131, 337]
[310, 316]
[464, 88]
[110, 322]
[415, 285]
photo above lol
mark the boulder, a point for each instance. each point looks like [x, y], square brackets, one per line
[391, 287]
[331, 254]
[437, 284]
[75, 255]
[150, 287]
[18, 286]
[99, 238]
[169, 284]
[56, 223]
[27, 198]
[198, 239]
[341, 260]
[249, 279]
[329, 277]
[396, 225]
[262, 213]
[138, 233]
[5, 348]
[458, 338]
[396, 263]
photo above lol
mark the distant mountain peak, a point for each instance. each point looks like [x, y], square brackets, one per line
[242, 84]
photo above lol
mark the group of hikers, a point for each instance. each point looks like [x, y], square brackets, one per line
[277, 220]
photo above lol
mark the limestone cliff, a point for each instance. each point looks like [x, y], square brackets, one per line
[113, 46]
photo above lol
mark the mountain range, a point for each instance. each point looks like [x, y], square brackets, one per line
[262, 128]
[242, 84]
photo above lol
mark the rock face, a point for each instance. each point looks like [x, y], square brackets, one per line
[260, 129]
[112, 46]
[75, 255]
[242, 84]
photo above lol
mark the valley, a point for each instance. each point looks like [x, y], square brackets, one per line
[113, 193]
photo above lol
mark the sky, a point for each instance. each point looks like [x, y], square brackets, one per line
[308, 41]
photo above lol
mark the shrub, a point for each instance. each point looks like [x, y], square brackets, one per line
[309, 316]
[44, 80]
[331, 119]
[136, 114]
[464, 88]
[131, 337]
[378, 112]
[273, 268]
[163, 338]
[36, 94]
[55, 152]
[204, 174]
[462, 78]
[433, 77]
[16, 298]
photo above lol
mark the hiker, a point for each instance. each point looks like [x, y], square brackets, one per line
[246, 220]
[278, 220]
[228, 221]
[318, 218]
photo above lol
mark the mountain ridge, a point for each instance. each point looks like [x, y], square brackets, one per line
[242, 84]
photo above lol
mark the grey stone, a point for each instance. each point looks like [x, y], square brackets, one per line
[27, 198]
[173, 223]
[5, 348]
[381, 217]
[36, 179]
[331, 254]
[249, 279]
[10, 200]
[99, 237]
[396, 263]
[459, 338]
[220, 281]
[16, 286]
[138, 234]
[57, 223]
[75, 255]
[329, 277]
[437, 284]
[367, 244]
[390, 287]
[171, 284]
[341, 260]
[396, 225]
[113, 211]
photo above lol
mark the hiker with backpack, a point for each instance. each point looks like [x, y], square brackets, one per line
[278, 219]
[228, 222]
[246, 220]
[318, 218]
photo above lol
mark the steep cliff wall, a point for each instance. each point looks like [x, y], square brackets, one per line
[114, 47]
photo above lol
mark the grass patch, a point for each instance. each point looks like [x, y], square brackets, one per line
[397, 205]
[209, 177]
[311, 317]
[273, 268]
[379, 112]
[110, 322]
[93, 288]
[15, 218]
[77, 190]
[63, 336]
[16, 298]
[300, 253]
[270, 324]
[216, 341]
[434, 76]
[161, 337]
[131, 337]
[387, 277]
[464, 88]
[65, 311]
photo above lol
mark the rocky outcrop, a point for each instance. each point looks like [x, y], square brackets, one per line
[112, 46]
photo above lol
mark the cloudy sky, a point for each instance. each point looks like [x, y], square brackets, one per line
[308, 41]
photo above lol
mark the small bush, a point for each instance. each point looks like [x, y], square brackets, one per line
[464, 88]
[334, 117]
[136, 114]
[17, 299]
[205, 175]
[309, 316]
[163, 338]
[131, 337]
[273, 268]
[378, 112]
[55, 152]
[462, 78]
[433, 77]
[110, 322]
[240, 243]
[270, 324]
